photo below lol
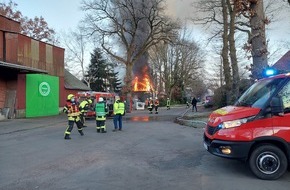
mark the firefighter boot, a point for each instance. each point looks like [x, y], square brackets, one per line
[82, 133]
[67, 137]
[103, 130]
[98, 130]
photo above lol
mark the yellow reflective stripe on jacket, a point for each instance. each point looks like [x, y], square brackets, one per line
[73, 118]
[100, 118]
[73, 114]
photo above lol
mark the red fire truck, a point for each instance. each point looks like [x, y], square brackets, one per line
[255, 129]
[108, 97]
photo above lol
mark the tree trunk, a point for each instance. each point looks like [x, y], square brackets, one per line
[233, 53]
[128, 87]
[225, 50]
[258, 39]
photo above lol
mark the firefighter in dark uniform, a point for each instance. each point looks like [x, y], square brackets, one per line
[101, 113]
[72, 110]
[84, 106]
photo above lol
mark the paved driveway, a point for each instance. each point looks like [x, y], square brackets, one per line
[152, 153]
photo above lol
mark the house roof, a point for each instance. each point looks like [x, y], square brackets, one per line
[283, 63]
[73, 83]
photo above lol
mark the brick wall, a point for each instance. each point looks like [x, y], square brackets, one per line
[2, 93]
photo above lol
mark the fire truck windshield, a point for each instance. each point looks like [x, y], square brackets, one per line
[259, 93]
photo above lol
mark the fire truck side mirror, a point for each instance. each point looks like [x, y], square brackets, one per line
[277, 106]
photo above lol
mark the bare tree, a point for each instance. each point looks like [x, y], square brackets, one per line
[126, 29]
[36, 28]
[178, 65]
[222, 15]
[236, 16]
[76, 45]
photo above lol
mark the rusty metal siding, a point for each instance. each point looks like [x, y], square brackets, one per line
[58, 62]
[8, 24]
[28, 52]
[11, 47]
[34, 53]
[24, 51]
[49, 59]
[42, 56]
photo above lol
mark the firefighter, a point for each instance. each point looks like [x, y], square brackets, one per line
[187, 104]
[119, 111]
[72, 110]
[146, 102]
[101, 113]
[156, 105]
[150, 105]
[168, 104]
[84, 107]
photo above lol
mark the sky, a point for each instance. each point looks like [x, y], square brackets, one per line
[64, 15]
[60, 15]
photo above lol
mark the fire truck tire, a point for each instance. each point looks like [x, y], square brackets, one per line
[268, 162]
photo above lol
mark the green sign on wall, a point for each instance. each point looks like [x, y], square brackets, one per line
[42, 95]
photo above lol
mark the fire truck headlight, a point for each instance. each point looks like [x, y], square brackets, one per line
[231, 124]
[236, 123]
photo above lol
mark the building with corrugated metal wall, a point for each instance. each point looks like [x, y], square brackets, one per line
[31, 74]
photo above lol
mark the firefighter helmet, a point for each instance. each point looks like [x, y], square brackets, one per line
[90, 101]
[117, 98]
[101, 99]
[70, 96]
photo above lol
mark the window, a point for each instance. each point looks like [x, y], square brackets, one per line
[259, 93]
[285, 95]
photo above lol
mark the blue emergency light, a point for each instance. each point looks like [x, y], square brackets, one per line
[270, 72]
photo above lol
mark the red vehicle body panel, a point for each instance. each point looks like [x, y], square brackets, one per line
[281, 126]
[245, 132]
[231, 113]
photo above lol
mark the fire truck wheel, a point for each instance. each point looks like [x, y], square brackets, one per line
[268, 162]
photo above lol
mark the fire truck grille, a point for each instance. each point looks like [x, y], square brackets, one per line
[212, 130]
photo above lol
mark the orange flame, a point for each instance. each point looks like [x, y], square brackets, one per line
[143, 85]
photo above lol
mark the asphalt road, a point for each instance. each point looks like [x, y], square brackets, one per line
[152, 153]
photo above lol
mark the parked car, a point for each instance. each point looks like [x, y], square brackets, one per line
[208, 103]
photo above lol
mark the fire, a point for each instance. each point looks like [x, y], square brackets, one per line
[143, 85]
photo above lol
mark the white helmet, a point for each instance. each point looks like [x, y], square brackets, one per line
[101, 99]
